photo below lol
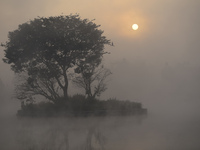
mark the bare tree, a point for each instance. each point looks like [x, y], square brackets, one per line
[27, 87]
[92, 79]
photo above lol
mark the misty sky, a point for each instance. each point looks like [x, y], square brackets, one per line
[157, 65]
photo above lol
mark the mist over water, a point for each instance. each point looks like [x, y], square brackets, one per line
[169, 92]
[157, 66]
[112, 133]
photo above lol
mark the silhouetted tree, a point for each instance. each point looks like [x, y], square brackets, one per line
[92, 78]
[46, 48]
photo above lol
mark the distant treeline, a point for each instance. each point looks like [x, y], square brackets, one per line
[78, 105]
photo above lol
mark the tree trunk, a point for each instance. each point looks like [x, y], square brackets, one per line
[65, 88]
[65, 92]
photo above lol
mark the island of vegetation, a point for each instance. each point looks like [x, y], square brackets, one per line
[48, 53]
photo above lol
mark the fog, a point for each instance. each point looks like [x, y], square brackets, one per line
[157, 65]
[117, 133]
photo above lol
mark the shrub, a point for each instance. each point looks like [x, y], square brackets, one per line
[79, 105]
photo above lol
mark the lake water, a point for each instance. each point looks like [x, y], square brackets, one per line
[103, 133]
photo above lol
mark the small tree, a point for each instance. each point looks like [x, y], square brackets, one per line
[45, 48]
[92, 79]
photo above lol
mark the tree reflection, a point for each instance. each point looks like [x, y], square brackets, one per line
[95, 140]
[59, 137]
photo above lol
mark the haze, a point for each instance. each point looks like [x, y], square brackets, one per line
[157, 65]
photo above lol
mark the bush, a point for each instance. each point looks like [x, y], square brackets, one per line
[79, 105]
[43, 109]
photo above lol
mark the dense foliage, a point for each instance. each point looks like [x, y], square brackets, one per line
[44, 49]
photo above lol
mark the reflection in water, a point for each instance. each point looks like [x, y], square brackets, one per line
[102, 133]
[60, 134]
[94, 139]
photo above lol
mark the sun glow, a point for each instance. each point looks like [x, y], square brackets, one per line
[135, 26]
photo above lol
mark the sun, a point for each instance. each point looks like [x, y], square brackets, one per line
[135, 26]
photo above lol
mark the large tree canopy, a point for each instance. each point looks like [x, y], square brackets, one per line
[45, 48]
